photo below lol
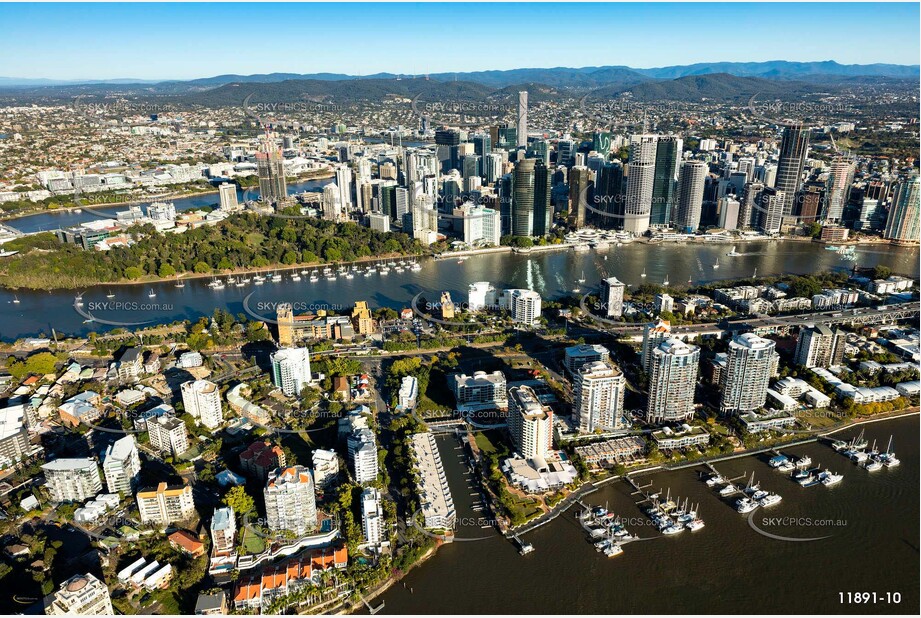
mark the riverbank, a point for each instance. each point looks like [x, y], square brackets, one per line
[390, 581]
[590, 485]
[172, 195]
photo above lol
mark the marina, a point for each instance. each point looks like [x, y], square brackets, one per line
[849, 517]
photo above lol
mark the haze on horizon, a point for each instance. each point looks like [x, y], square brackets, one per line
[180, 42]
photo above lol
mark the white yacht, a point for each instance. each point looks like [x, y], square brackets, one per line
[770, 499]
[728, 490]
[745, 505]
[830, 478]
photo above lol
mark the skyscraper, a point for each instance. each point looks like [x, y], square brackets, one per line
[820, 346]
[122, 466]
[580, 185]
[612, 297]
[228, 196]
[543, 209]
[291, 370]
[793, 149]
[270, 165]
[838, 187]
[523, 118]
[640, 180]
[608, 196]
[530, 423]
[665, 181]
[751, 361]
[598, 397]
[902, 223]
[290, 503]
[654, 334]
[750, 204]
[202, 399]
[691, 195]
[344, 183]
[770, 210]
[672, 380]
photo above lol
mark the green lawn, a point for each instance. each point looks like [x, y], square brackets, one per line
[484, 443]
[252, 543]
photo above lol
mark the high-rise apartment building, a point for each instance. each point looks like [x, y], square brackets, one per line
[672, 380]
[598, 397]
[291, 370]
[751, 361]
[202, 399]
[290, 501]
[530, 423]
[820, 346]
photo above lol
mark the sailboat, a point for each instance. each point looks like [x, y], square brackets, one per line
[644, 274]
[716, 264]
[151, 293]
[582, 279]
[689, 281]
[665, 282]
[179, 283]
[733, 253]
[111, 294]
[15, 300]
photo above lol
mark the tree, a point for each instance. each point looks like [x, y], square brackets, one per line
[202, 267]
[882, 272]
[240, 501]
[134, 273]
[166, 270]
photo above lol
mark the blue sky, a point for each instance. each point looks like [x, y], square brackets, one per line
[180, 41]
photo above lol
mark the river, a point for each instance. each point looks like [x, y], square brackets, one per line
[60, 219]
[870, 521]
[552, 274]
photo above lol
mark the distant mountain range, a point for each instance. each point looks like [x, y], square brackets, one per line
[559, 77]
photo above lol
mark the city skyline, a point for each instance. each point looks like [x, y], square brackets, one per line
[174, 33]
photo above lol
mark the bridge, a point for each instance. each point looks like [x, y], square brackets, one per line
[885, 314]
